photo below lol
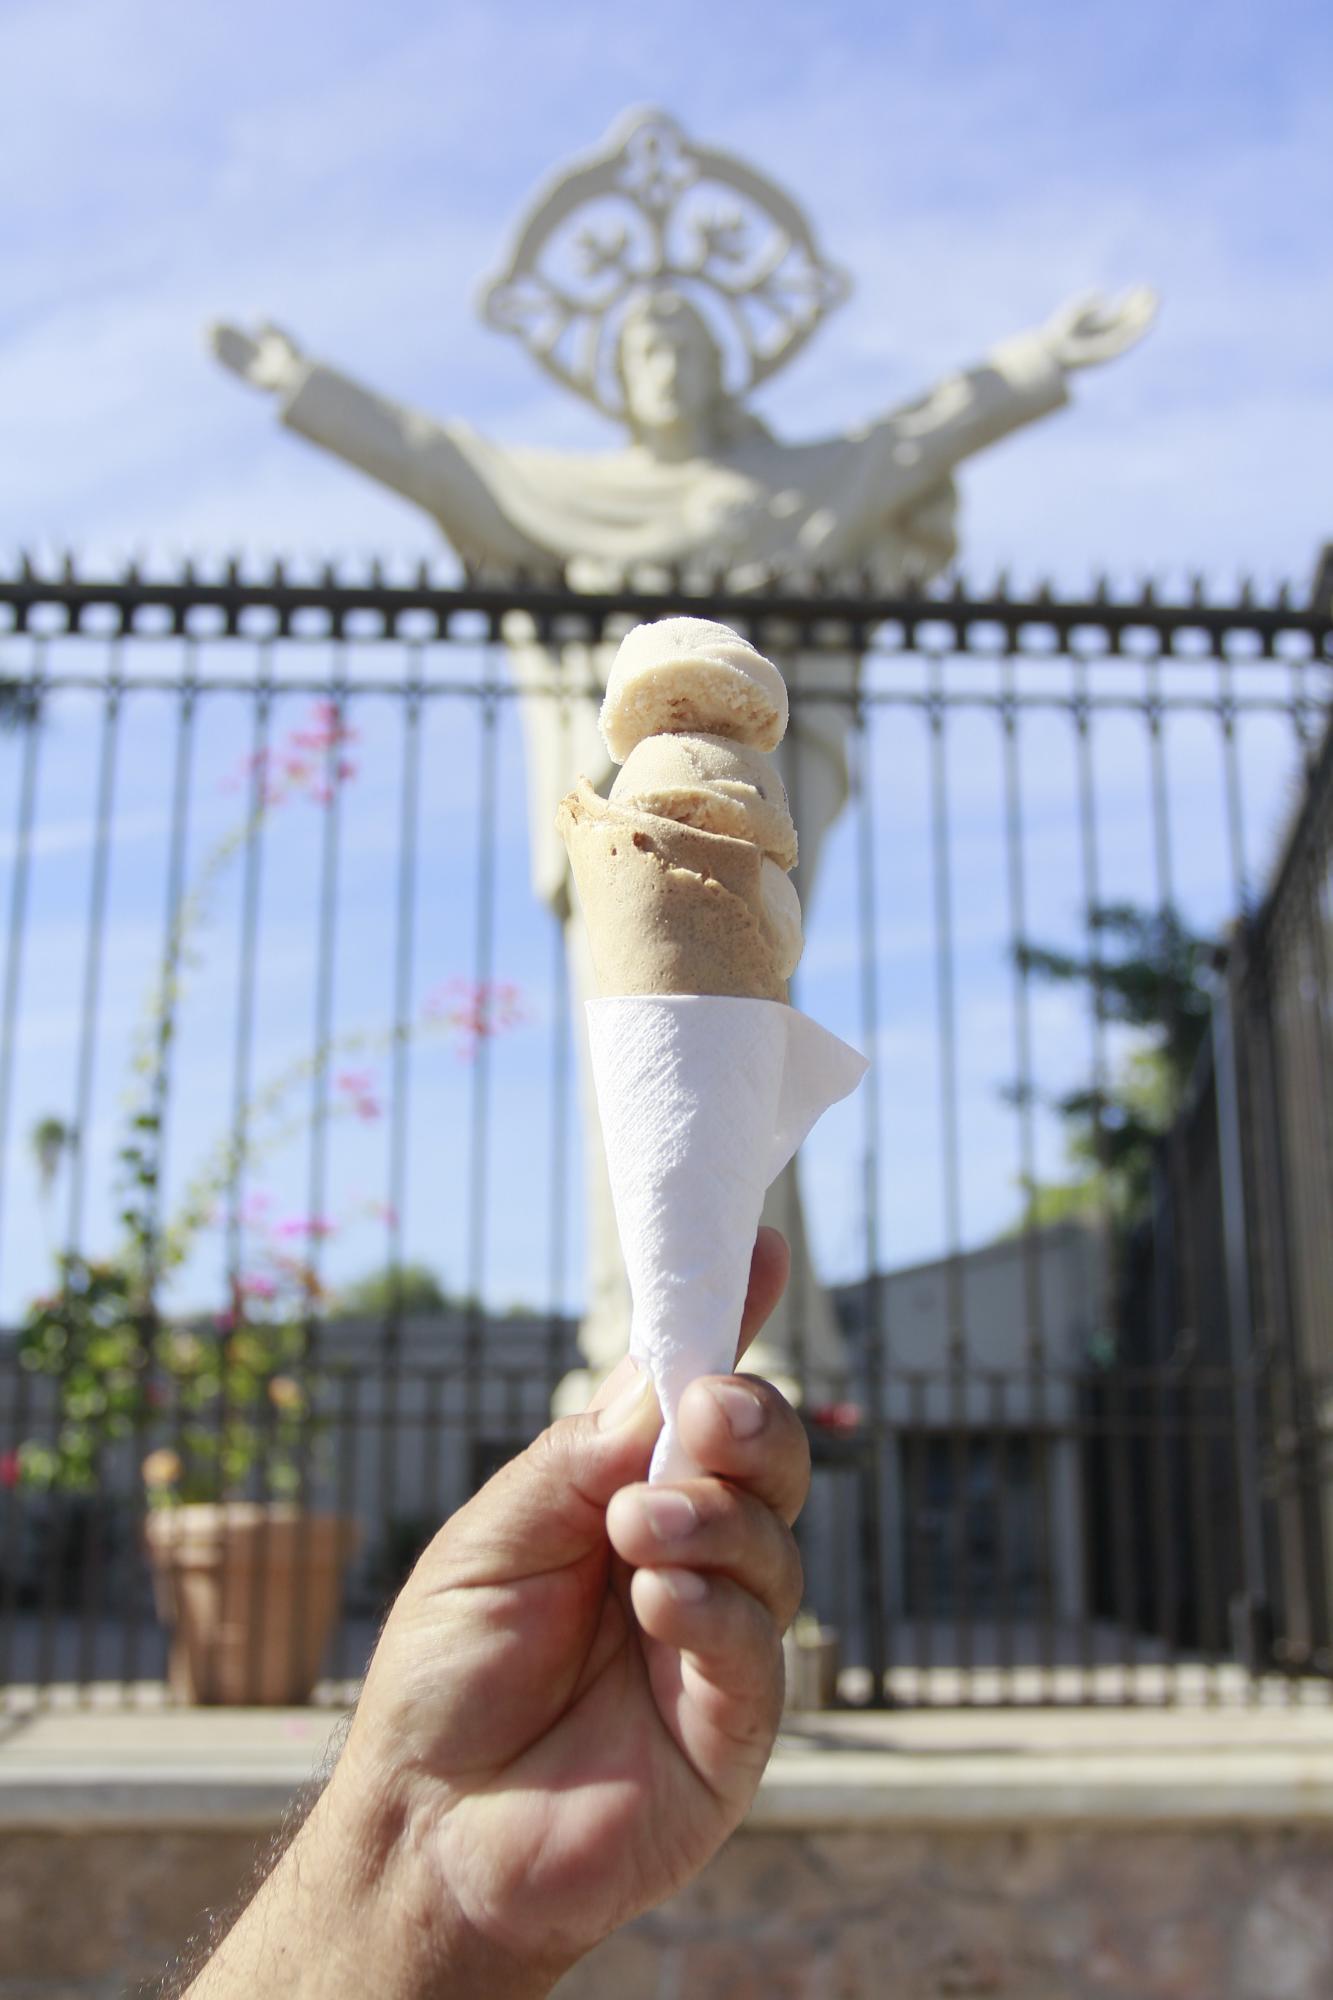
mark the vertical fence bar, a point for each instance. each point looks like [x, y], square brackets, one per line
[1250, 1615]
[479, 1096]
[30, 715]
[561, 1053]
[790, 755]
[347, 1421]
[61, 1514]
[997, 1416]
[946, 1015]
[92, 968]
[878, 1639]
[164, 1041]
[335, 735]
[31, 722]
[1037, 1358]
[914, 1452]
[1228, 716]
[257, 804]
[1081, 713]
[400, 1079]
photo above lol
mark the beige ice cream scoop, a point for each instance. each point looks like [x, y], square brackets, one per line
[690, 676]
[712, 783]
[682, 872]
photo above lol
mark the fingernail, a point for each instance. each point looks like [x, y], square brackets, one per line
[685, 1585]
[741, 1407]
[670, 1515]
[627, 1402]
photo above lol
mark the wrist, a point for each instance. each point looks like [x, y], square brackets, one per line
[399, 1921]
[357, 1905]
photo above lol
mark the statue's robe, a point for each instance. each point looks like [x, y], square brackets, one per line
[880, 499]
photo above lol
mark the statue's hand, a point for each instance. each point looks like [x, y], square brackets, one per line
[268, 359]
[1091, 329]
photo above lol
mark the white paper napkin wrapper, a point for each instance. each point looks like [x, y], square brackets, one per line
[703, 1101]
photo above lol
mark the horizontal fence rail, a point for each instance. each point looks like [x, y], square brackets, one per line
[293, 1196]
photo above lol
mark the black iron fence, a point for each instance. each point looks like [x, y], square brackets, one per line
[291, 1207]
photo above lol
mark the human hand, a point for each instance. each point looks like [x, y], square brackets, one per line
[573, 1699]
[1090, 329]
[270, 359]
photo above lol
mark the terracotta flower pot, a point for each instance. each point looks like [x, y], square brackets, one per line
[250, 1592]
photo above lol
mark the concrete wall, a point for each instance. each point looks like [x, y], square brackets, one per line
[1050, 1913]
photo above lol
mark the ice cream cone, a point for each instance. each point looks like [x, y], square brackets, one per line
[706, 1080]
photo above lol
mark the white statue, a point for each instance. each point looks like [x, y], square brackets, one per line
[635, 289]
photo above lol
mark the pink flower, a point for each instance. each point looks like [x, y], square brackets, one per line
[10, 1469]
[313, 1226]
[258, 1285]
[358, 1088]
[385, 1212]
[255, 1208]
[326, 729]
[477, 1008]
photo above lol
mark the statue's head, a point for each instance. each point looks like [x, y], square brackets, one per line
[670, 369]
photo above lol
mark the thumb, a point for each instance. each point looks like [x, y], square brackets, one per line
[547, 1507]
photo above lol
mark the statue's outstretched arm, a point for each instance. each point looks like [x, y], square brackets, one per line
[1021, 380]
[266, 359]
[399, 447]
[1091, 329]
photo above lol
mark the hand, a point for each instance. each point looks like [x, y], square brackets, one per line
[570, 1730]
[568, 1711]
[272, 360]
[1091, 329]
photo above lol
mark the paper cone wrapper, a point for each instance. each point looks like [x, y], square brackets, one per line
[703, 1101]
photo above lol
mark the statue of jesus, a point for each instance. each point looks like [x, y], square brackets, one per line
[700, 482]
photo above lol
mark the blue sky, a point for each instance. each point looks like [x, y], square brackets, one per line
[353, 173]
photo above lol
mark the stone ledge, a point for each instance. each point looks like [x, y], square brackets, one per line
[237, 1769]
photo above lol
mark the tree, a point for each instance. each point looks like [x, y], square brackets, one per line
[405, 1288]
[1147, 971]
